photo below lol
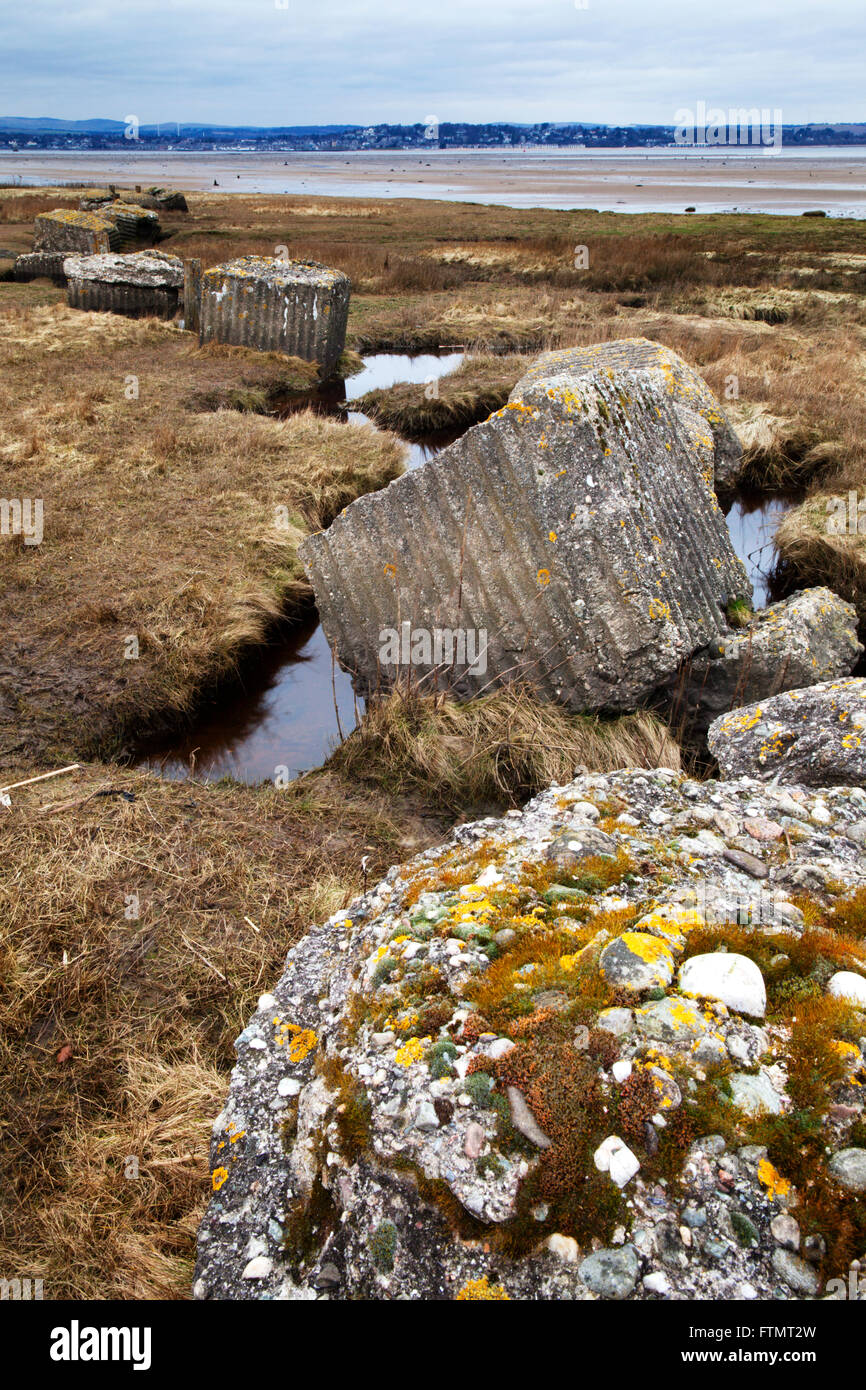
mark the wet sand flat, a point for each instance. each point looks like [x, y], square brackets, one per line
[784, 181]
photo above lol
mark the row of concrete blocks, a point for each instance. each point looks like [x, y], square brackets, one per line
[299, 308]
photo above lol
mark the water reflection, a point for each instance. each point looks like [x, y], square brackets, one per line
[752, 522]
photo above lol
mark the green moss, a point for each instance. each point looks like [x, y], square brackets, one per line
[440, 1058]
[382, 1245]
[744, 1229]
[384, 970]
[480, 1087]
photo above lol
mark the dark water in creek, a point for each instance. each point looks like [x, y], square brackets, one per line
[286, 716]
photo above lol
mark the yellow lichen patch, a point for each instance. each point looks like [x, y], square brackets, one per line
[412, 1051]
[301, 1041]
[647, 948]
[681, 1014]
[476, 1290]
[771, 1179]
[218, 1177]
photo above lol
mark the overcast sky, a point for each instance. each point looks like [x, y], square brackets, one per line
[250, 61]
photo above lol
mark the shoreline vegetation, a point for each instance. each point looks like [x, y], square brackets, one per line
[173, 516]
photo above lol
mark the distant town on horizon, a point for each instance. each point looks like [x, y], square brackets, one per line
[47, 132]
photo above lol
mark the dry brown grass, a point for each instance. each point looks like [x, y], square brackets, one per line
[498, 748]
[149, 1006]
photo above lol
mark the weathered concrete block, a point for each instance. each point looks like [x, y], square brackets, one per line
[66, 229]
[806, 638]
[192, 295]
[147, 282]
[815, 736]
[136, 226]
[574, 536]
[35, 265]
[296, 307]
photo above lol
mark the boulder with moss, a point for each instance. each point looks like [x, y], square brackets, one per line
[452, 1092]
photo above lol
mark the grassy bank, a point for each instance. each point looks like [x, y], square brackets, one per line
[170, 530]
[140, 921]
[501, 748]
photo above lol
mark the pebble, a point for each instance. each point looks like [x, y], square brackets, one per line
[749, 863]
[523, 1119]
[426, 1117]
[848, 1167]
[615, 1158]
[755, 1095]
[657, 1283]
[845, 984]
[797, 1274]
[611, 1273]
[258, 1268]
[564, 1247]
[474, 1140]
[670, 1020]
[762, 829]
[729, 977]
[785, 1231]
[637, 961]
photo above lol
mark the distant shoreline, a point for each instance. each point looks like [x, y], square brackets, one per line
[790, 181]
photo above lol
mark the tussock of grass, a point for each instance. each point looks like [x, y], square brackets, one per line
[149, 1005]
[481, 384]
[499, 748]
[812, 555]
[779, 454]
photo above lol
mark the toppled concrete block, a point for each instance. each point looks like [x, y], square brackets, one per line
[297, 307]
[159, 198]
[573, 538]
[146, 282]
[66, 229]
[806, 638]
[815, 736]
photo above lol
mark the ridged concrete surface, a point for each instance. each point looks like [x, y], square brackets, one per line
[577, 527]
[297, 307]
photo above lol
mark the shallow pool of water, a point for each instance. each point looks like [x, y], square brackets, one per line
[752, 522]
[281, 720]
